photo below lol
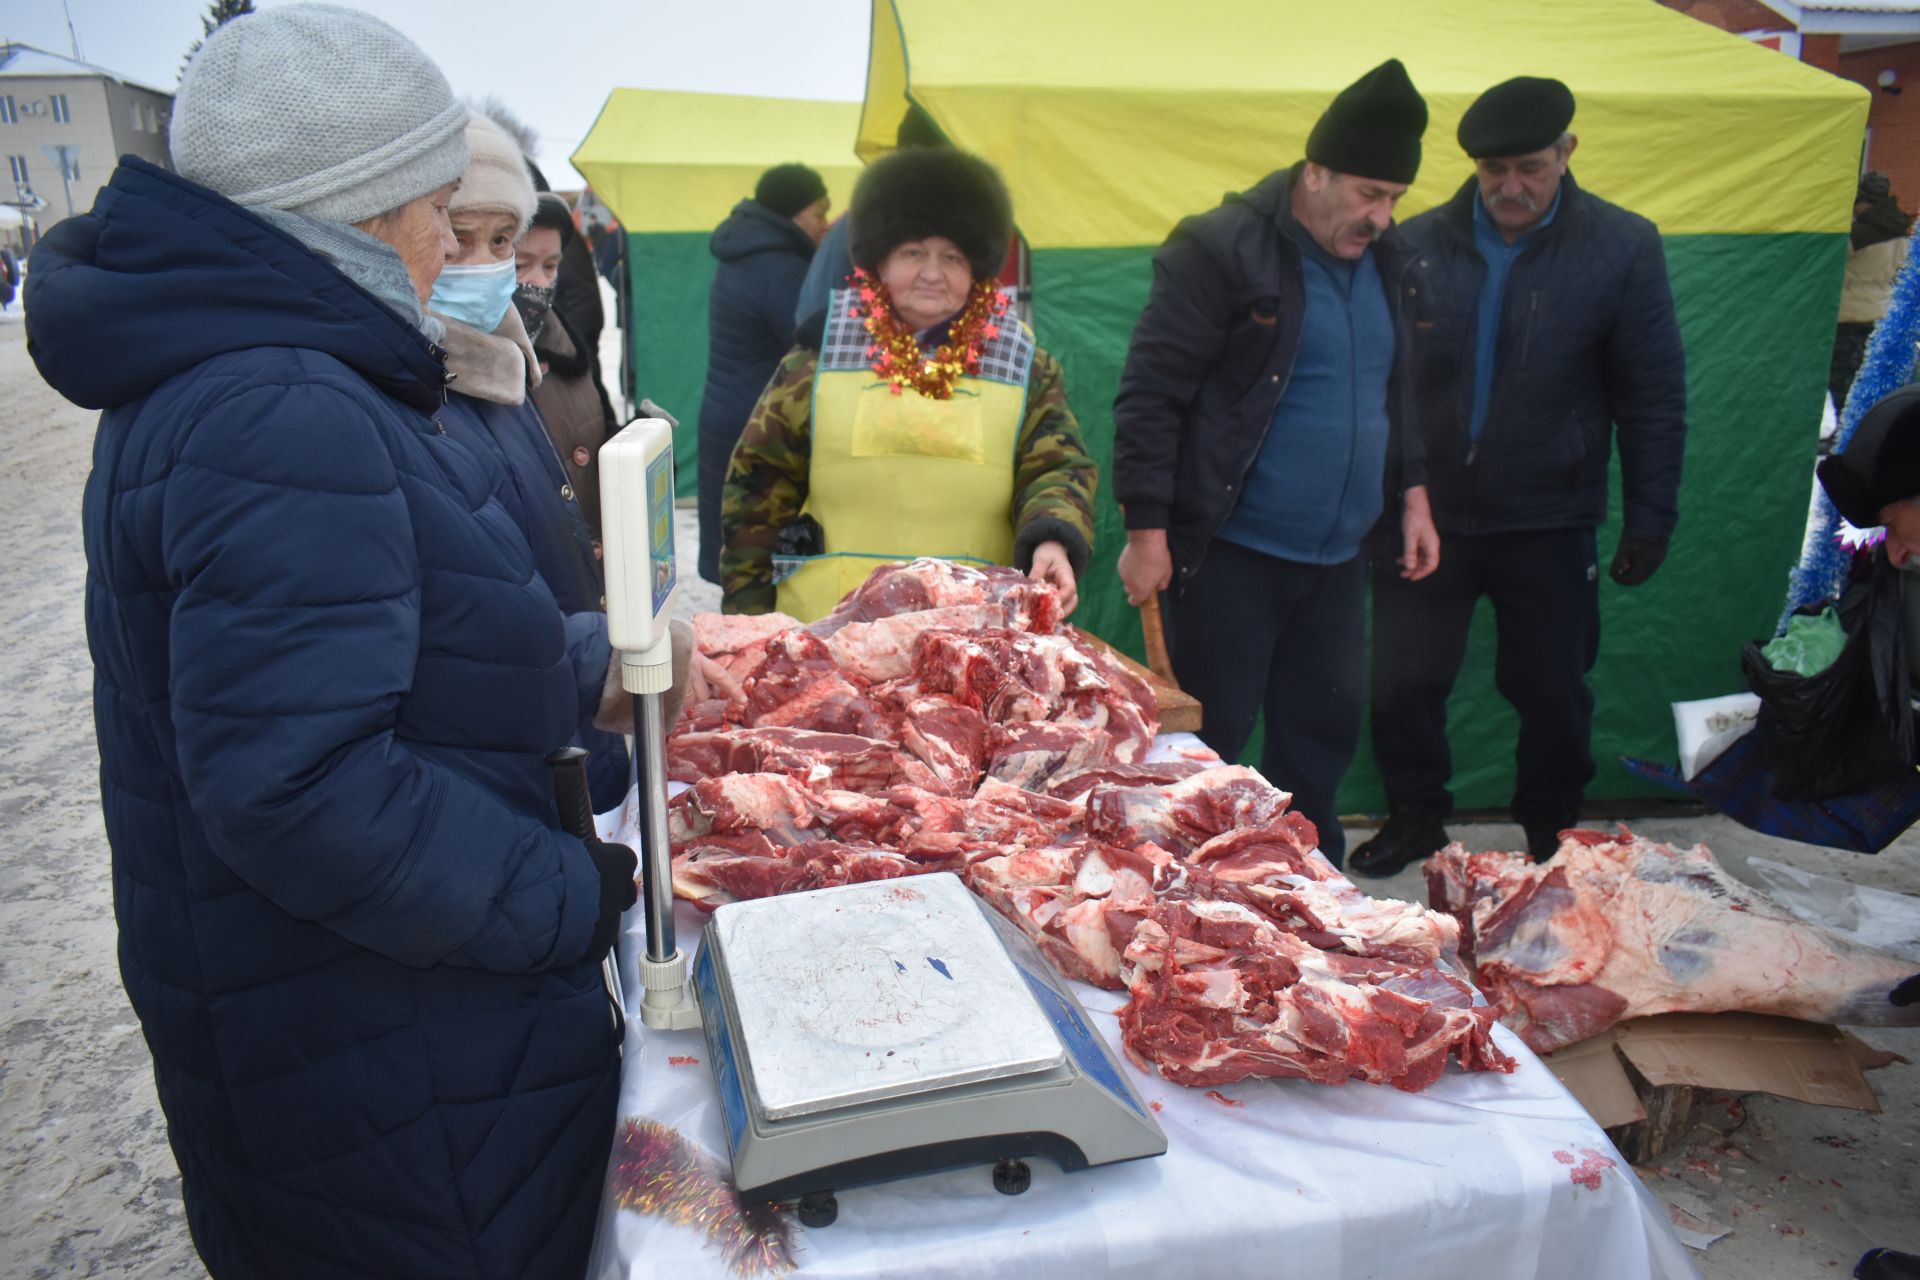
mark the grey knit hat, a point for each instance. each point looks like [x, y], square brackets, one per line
[318, 110]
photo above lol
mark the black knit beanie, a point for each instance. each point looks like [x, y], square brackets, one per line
[1372, 128]
[788, 188]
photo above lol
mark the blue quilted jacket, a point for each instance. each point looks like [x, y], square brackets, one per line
[325, 677]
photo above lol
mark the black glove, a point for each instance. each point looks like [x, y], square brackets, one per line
[1636, 559]
[616, 864]
[1907, 992]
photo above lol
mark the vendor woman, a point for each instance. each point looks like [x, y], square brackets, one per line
[927, 423]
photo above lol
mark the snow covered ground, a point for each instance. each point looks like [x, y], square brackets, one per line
[91, 1188]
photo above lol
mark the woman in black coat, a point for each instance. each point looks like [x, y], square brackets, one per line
[764, 248]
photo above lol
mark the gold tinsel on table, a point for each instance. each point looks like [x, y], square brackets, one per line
[658, 1172]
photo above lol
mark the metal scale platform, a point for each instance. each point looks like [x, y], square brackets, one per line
[858, 1033]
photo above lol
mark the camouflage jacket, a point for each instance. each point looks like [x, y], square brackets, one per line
[1054, 479]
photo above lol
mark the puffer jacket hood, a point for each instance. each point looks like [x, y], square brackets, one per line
[156, 249]
[753, 228]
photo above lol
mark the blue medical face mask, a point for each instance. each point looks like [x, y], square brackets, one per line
[475, 295]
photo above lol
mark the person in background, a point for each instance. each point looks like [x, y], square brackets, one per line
[569, 396]
[364, 954]
[576, 291]
[492, 368]
[1263, 429]
[1876, 251]
[926, 423]
[763, 249]
[1547, 322]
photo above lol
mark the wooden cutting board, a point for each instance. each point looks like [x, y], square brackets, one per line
[1179, 711]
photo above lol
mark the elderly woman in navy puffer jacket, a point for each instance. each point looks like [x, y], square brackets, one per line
[364, 955]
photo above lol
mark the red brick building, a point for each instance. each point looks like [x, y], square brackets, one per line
[1874, 43]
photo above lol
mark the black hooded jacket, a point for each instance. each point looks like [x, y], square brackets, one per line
[1209, 363]
[1588, 339]
[763, 259]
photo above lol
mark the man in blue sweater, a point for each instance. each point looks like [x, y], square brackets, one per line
[1260, 434]
[1547, 322]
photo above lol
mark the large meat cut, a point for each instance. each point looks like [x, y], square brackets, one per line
[1618, 927]
[942, 719]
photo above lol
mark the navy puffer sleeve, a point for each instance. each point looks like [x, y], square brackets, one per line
[288, 670]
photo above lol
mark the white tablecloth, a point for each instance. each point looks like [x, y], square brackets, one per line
[1483, 1176]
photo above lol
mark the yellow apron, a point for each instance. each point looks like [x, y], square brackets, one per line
[893, 477]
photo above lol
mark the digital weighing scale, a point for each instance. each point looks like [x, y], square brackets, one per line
[863, 1032]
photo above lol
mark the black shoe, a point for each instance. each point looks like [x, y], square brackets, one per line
[1887, 1264]
[1404, 840]
[1543, 838]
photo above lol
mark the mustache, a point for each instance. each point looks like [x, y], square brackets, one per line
[1367, 229]
[1523, 202]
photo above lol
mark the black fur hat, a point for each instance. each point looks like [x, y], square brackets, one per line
[931, 191]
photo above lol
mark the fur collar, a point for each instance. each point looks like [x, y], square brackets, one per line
[498, 366]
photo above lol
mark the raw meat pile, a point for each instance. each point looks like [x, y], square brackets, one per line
[1619, 927]
[942, 720]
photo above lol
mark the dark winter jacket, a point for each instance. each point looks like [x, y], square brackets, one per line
[494, 416]
[1209, 362]
[325, 677]
[763, 258]
[1588, 339]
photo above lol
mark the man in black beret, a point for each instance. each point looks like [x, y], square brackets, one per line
[1876, 479]
[1260, 434]
[1546, 322]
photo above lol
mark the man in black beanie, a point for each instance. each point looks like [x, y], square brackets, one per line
[1261, 433]
[1547, 321]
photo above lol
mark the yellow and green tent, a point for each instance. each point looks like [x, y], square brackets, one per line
[671, 165]
[1112, 119]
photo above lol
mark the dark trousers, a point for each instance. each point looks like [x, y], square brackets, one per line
[1252, 632]
[1544, 585]
[1849, 349]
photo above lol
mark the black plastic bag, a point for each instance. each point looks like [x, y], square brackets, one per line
[1850, 727]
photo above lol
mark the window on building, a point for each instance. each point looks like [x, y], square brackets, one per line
[60, 113]
[18, 164]
[133, 115]
[7, 113]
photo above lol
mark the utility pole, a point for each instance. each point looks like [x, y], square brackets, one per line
[73, 37]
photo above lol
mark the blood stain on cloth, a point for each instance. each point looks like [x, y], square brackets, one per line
[682, 1060]
[1154, 1105]
[1587, 1169]
[1223, 1099]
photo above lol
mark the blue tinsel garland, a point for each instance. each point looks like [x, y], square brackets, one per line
[1886, 367]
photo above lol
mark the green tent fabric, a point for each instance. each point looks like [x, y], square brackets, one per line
[671, 165]
[1110, 121]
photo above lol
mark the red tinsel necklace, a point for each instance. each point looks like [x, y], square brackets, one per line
[896, 353]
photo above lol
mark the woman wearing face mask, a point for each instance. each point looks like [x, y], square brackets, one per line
[491, 366]
[364, 955]
[579, 419]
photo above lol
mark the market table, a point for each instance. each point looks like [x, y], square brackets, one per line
[1483, 1176]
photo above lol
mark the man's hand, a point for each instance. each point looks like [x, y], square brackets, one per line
[1146, 566]
[1420, 541]
[1636, 559]
[1051, 566]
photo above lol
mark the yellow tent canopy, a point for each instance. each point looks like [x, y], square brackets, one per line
[670, 161]
[1112, 119]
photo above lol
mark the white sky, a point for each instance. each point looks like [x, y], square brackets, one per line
[551, 61]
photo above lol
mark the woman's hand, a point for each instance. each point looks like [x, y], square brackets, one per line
[1051, 566]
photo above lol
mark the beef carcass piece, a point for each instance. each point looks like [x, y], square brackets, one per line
[714, 870]
[1071, 786]
[937, 584]
[798, 684]
[883, 649]
[997, 819]
[1218, 994]
[1184, 816]
[787, 812]
[1080, 901]
[843, 761]
[944, 735]
[1622, 927]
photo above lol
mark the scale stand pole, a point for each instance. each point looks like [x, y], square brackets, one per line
[656, 863]
[667, 1004]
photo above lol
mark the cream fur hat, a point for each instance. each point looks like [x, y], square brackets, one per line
[497, 180]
